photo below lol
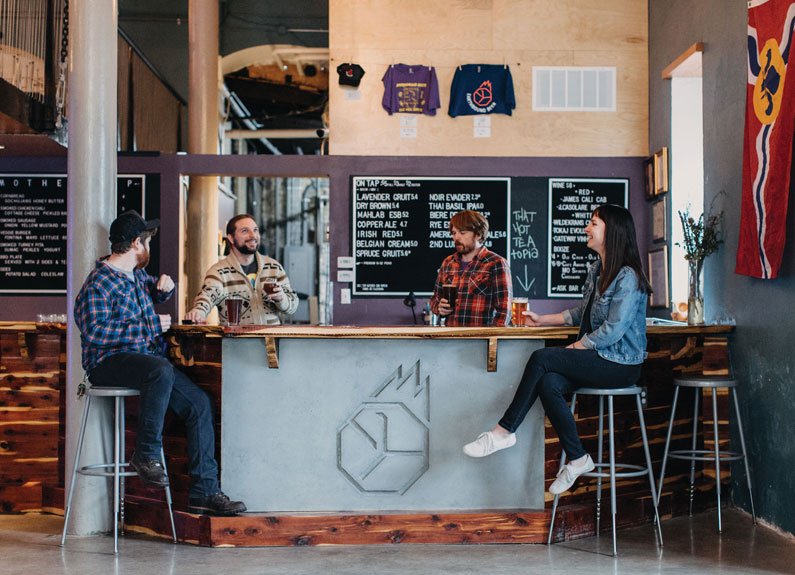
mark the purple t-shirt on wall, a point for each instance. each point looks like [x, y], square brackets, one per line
[410, 90]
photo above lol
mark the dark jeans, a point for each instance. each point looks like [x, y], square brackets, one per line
[163, 386]
[553, 372]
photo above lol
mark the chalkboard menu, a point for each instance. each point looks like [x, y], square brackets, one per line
[33, 229]
[400, 228]
[571, 201]
[528, 253]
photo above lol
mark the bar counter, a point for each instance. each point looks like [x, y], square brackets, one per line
[353, 435]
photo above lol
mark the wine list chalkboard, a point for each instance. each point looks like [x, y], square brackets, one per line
[33, 227]
[571, 201]
[400, 228]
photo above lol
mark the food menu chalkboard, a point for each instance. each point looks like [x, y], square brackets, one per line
[33, 233]
[33, 229]
[571, 201]
[400, 228]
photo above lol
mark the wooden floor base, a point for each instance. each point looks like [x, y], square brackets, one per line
[446, 527]
[298, 529]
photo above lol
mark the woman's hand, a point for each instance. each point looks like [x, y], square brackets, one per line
[444, 308]
[576, 345]
[532, 319]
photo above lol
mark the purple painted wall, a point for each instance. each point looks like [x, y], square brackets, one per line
[362, 311]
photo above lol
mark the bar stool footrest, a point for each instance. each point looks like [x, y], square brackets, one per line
[96, 470]
[704, 455]
[640, 470]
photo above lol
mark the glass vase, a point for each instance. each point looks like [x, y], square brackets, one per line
[695, 297]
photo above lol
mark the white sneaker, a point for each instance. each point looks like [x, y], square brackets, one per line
[569, 474]
[487, 443]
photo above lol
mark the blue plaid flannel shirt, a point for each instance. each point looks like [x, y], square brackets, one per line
[115, 314]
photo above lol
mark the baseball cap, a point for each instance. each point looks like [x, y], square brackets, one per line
[129, 226]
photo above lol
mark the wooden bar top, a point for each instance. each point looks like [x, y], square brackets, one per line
[32, 326]
[419, 332]
[382, 332]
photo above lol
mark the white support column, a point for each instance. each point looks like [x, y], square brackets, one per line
[90, 207]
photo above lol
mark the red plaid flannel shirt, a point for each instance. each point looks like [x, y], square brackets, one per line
[484, 290]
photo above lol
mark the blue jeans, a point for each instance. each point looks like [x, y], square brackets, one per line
[553, 372]
[163, 386]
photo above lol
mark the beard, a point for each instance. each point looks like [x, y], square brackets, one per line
[464, 249]
[243, 248]
[142, 260]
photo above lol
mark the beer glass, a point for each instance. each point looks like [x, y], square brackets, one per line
[234, 306]
[269, 286]
[518, 305]
[450, 293]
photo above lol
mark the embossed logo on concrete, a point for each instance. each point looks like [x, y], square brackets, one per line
[382, 448]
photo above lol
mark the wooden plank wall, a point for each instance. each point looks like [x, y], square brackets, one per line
[520, 33]
[32, 375]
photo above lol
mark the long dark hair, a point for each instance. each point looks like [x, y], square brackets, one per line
[621, 246]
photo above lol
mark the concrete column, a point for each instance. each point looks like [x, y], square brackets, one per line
[203, 93]
[90, 207]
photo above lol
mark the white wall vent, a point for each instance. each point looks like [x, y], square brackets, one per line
[574, 89]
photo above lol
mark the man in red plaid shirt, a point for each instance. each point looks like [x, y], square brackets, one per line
[482, 278]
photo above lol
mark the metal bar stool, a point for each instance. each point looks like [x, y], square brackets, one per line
[635, 470]
[699, 383]
[118, 471]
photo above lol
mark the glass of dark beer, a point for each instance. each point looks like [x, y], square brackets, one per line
[234, 306]
[269, 285]
[450, 293]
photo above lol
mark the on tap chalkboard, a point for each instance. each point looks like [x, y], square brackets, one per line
[400, 228]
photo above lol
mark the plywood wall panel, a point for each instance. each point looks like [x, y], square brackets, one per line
[580, 25]
[521, 34]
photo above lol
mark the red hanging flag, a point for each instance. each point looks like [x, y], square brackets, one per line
[769, 121]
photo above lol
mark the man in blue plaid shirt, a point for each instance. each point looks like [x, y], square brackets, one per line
[122, 341]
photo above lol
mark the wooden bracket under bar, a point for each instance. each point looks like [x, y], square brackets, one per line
[22, 341]
[272, 347]
[492, 362]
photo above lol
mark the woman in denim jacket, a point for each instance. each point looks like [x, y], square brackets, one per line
[608, 353]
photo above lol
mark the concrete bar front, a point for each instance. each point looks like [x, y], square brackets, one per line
[375, 423]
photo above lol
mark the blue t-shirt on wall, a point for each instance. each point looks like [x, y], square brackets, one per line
[481, 89]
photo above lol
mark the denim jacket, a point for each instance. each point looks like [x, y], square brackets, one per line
[618, 317]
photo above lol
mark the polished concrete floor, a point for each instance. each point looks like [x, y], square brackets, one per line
[30, 544]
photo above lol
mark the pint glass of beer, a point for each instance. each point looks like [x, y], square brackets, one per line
[450, 293]
[269, 286]
[518, 305]
[233, 308]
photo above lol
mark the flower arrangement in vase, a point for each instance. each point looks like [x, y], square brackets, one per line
[701, 239]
